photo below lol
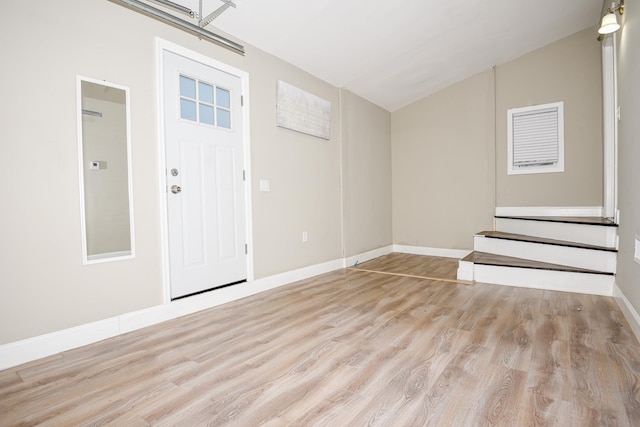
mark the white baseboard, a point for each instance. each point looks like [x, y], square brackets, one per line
[27, 350]
[629, 312]
[422, 250]
[549, 211]
[367, 256]
[19, 352]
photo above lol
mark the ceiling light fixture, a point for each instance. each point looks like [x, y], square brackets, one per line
[610, 20]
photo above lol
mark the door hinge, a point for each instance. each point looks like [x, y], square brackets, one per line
[246, 249]
[242, 100]
[244, 175]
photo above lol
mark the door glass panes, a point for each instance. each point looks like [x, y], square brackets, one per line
[204, 103]
[206, 114]
[223, 98]
[187, 87]
[206, 92]
[187, 98]
[224, 118]
[223, 108]
[188, 110]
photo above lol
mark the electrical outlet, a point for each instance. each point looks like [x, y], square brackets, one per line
[305, 237]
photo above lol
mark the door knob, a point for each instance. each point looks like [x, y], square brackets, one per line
[175, 189]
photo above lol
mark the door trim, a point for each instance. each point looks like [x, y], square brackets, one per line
[166, 46]
[610, 126]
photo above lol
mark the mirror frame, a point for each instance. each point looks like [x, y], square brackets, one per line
[100, 258]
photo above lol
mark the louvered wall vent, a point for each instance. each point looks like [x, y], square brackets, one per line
[536, 139]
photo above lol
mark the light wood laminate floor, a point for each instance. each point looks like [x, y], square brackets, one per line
[351, 348]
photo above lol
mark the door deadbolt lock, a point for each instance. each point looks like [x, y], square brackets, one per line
[174, 172]
[175, 189]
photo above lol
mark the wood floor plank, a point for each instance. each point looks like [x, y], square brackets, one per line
[550, 369]
[351, 348]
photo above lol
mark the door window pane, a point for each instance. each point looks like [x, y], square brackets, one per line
[205, 93]
[204, 103]
[187, 87]
[206, 114]
[188, 110]
[223, 98]
[224, 118]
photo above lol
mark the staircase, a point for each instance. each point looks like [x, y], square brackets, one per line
[572, 254]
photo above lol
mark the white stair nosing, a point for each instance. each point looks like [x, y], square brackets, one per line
[579, 233]
[591, 259]
[575, 211]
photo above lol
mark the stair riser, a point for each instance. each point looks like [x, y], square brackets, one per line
[595, 284]
[574, 257]
[580, 233]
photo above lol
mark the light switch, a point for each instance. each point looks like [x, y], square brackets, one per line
[264, 185]
[96, 165]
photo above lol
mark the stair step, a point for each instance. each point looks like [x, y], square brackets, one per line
[543, 240]
[588, 220]
[483, 258]
[593, 231]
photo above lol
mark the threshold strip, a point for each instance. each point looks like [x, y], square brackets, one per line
[462, 282]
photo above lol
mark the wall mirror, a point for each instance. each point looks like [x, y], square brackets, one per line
[104, 156]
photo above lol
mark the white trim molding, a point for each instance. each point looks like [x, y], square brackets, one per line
[367, 256]
[629, 312]
[610, 117]
[27, 350]
[549, 211]
[422, 250]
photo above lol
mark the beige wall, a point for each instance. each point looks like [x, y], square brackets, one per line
[44, 286]
[569, 70]
[366, 159]
[442, 168]
[449, 174]
[628, 275]
[303, 173]
[443, 150]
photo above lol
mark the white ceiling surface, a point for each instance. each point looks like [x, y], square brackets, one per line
[393, 53]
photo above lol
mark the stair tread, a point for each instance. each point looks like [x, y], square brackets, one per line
[543, 240]
[484, 258]
[589, 220]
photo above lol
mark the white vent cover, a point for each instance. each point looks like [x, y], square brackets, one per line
[536, 139]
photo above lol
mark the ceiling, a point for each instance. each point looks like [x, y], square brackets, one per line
[393, 53]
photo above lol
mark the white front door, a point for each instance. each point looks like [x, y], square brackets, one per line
[205, 177]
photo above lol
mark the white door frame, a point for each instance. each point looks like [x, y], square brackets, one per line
[610, 127]
[166, 46]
